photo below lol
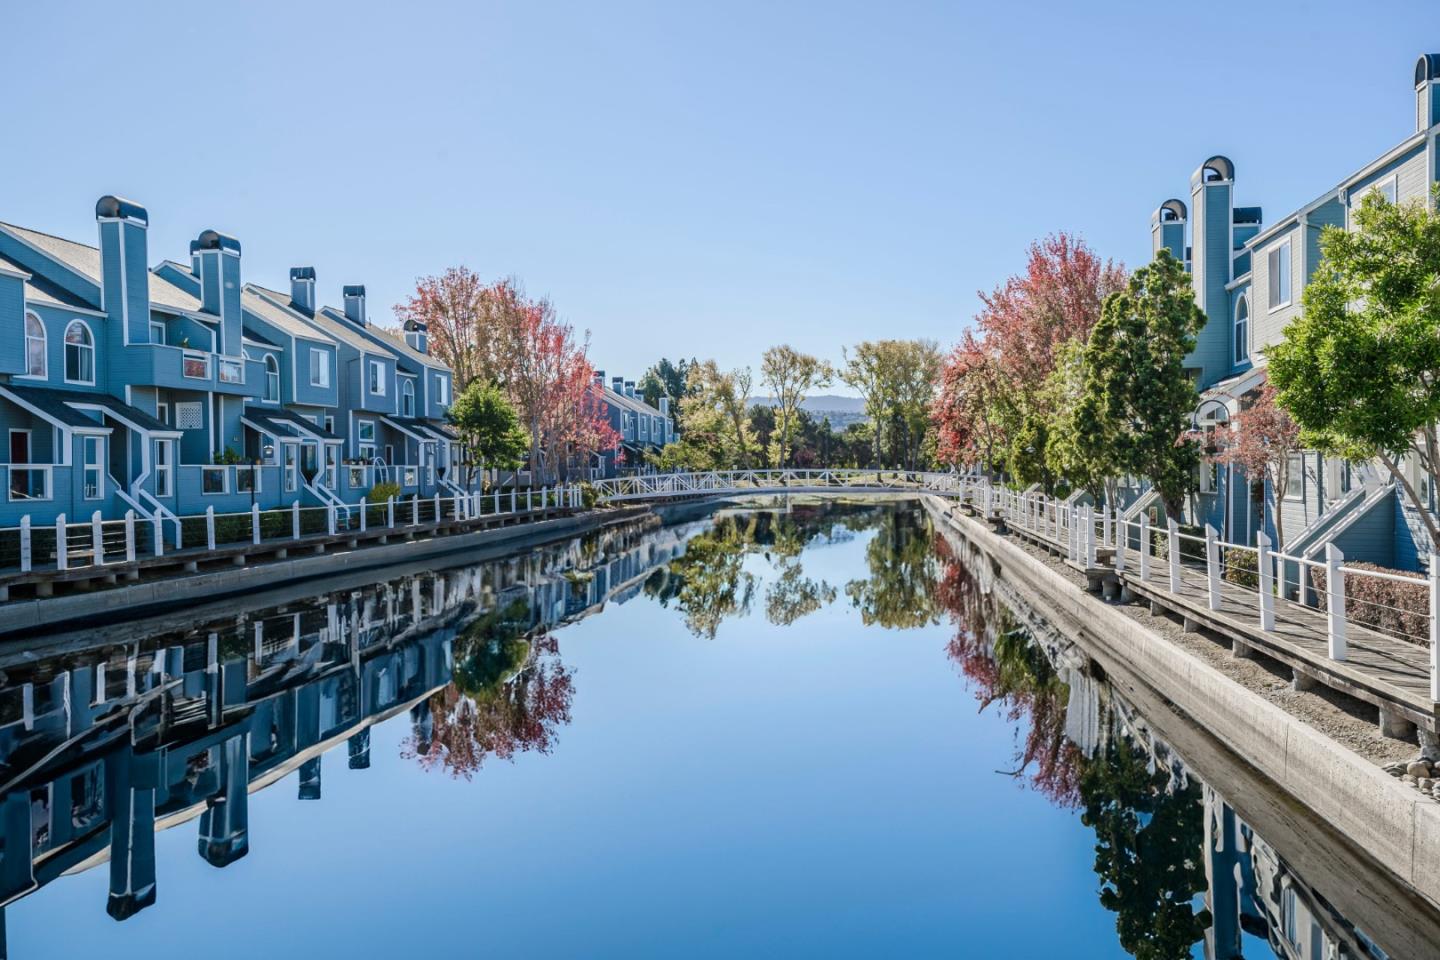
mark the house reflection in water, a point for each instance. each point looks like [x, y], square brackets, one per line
[102, 747]
[1150, 810]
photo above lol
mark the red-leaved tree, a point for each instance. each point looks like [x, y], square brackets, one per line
[456, 308]
[996, 376]
[1261, 444]
[551, 380]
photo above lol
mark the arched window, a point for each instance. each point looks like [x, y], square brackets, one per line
[407, 399]
[34, 346]
[79, 353]
[272, 379]
[1242, 330]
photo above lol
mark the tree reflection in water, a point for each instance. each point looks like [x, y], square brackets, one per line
[509, 695]
[1149, 829]
[713, 581]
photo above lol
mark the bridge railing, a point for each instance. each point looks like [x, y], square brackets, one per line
[662, 485]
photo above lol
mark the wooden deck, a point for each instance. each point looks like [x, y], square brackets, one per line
[1391, 674]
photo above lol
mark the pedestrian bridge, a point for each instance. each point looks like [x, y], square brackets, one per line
[662, 486]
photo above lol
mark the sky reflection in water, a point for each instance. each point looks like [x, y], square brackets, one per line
[765, 750]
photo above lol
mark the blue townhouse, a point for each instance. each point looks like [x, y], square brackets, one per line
[168, 391]
[642, 428]
[1249, 277]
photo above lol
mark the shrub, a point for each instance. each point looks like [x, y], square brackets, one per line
[1399, 610]
[1242, 567]
[1189, 549]
[382, 492]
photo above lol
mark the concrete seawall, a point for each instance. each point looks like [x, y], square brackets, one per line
[1384, 818]
[19, 620]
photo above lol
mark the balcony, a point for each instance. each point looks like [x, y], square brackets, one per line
[161, 365]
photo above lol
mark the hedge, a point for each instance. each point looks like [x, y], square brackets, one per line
[1399, 610]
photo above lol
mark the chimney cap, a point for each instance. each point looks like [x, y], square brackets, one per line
[215, 240]
[353, 290]
[302, 273]
[1171, 211]
[415, 326]
[117, 208]
[1427, 68]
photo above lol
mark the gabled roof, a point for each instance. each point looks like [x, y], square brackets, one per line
[635, 404]
[60, 404]
[80, 257]
[166, 295]
[38, 289]
[399, 345]
[333, 322]
[85, 260]
[273, 307]
[285, 422]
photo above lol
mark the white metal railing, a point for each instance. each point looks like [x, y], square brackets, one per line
[1225, 573]
[661, 485]
[96, 542]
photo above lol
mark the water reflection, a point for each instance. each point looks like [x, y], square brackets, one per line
[100, 746]
[1179, 868]
[714, 580]
[105, 743]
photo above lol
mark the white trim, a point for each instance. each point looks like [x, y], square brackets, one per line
[44, 348]
[1270, 274]
[65, 349]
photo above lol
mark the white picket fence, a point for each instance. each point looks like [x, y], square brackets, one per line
[99, 542]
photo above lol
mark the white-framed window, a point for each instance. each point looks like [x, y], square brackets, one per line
[35, 365]
[164, 468]
[215, 479]
[157, 332]
[79, 353]
[93, 484]
[162, 411]
[365, 435]
[442, 390]
[232, 371]
[1387, 187]
[407, 398]
[319, 368]
[330, 424]
[1278, 262]
[272, 379]
[1242, 330]
[195, 365]
[292, 473]
[377, 378]
[1295, 477]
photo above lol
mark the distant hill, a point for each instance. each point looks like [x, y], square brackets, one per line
[821, 402]
[840, 411]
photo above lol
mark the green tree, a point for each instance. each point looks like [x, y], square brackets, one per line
[790, 375]
[1147, 842]
[1138, 398]
[489, 428]
[1359, 370]
[666, 379]
[1082, 442]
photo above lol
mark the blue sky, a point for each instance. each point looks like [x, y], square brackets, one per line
[687, 179]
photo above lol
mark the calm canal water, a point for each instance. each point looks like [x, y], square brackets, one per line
[798, 730]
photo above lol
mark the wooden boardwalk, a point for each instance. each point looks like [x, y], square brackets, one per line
[1391, 674]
